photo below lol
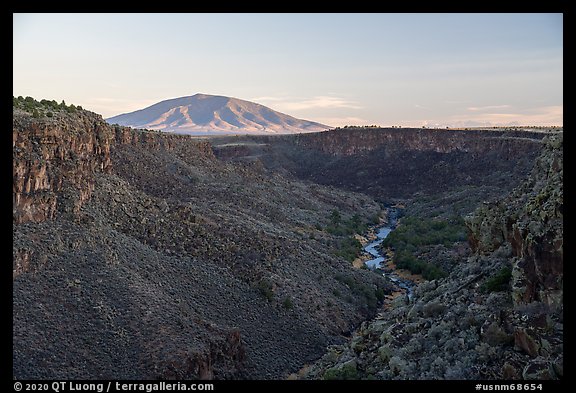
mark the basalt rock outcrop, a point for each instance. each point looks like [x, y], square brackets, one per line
[54, 161]
[530, 220]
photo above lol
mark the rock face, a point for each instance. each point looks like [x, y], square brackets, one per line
[530, 220]
[63, 153]
[355, 141]
[52, 155]
[464, 326]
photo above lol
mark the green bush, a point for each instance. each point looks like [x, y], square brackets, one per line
[336, 230]
[416, 232]
[498, 282]
[265, 289]
[369, 296]
[406, 260]
[287, 303]
[37, 108]
[335, 217]
[347, 371]
[420, 232]
[341, 227]
[349, 248]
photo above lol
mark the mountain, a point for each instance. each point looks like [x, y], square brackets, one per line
[206, 114]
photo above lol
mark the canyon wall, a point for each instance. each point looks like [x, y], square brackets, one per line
[530, 220]
[358, 141]
[392, 163]
[55, 159]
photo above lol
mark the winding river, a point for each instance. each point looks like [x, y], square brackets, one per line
[377, 262]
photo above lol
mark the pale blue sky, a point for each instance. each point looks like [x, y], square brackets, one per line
[385, 69]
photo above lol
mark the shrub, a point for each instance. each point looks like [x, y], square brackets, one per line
[287, 303]
[498, 282]
[416, 232]
[347, 371]
[341, 227]
[426, 232]
[265, 289]
[29, 104]
[405, 260]
[349, 248]
[380, 294]
[369, 296]
[335, 217]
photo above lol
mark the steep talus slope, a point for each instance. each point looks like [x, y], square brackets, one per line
[498, 315]
[159, 261]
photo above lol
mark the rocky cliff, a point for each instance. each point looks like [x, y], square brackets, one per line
[530, 220]
[55, 154]
[396, 163]
[354, 141]
[55, 159]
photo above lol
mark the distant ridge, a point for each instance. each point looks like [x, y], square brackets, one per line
[209, 114]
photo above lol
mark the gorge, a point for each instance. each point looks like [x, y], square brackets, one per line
[144, 255]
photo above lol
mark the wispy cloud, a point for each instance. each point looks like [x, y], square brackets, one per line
[452, 102]
[301, 103]
[538, 116]
[343, 121]
[487, 108]
[109, 107]
[323, 102]
[267, 99]
[418, 106]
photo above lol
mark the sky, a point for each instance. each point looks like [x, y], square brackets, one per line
[337, 69]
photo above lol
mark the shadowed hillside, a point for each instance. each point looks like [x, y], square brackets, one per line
[396, 163]
[140, 255]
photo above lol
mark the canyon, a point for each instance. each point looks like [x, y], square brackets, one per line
[139, 254]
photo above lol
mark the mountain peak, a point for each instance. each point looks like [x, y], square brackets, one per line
[212, 114]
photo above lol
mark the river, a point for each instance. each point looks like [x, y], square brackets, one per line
[377, 262]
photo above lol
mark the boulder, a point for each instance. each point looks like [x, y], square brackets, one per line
[524, 341]
[538, 369]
